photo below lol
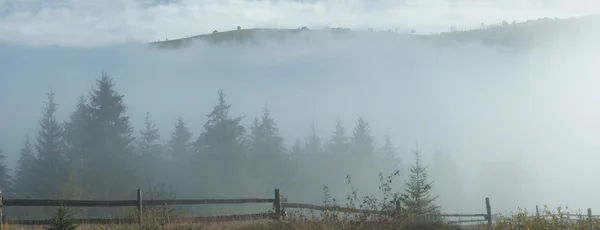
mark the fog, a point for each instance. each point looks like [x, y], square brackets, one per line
[517, 125]
[77, 23]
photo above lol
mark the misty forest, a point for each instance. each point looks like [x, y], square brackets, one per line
[434, 123]
[98, 154]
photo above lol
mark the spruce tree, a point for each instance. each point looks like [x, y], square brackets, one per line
[51, 163]
[362, 143]
[416, 198]
[338, 154]
[362, 158]
[107, 163]
[151, 153]
[77, 139]
[222, 144]
[24, 177]
[180, 145]
[147, 143]
[5, 179]
[313, 145]
[74, 131]
[63, 219]
[183, 158]
[388, 156]
[339, 143]
[267, 151]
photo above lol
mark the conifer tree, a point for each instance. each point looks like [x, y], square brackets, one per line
[362, 143]
[222, 144]
[181, 153]
[416, 198]
[5, 179]
[51, 163]
[110, 150]
[338, 154]
[63, 219]
[313, 145]
[339, 143]
[151, 153]
[74, 131]
[361, 159]
[267, 149]
[388, 156]
[77, 139]
[24, 177]
[180, 145]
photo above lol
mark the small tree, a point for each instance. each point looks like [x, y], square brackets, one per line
[417, 198]
[63, 220]
[239, 28]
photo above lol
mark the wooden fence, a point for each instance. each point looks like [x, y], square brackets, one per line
[279, 205]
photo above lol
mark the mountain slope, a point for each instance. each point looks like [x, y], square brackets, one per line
[505, 34]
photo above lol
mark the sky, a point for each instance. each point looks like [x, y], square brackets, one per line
[95, 22]
[527, 118]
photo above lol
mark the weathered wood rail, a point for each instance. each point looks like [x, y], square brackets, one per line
[279, 204]
[140, 203]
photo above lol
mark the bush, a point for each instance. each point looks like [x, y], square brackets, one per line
[547, 219]
[63, 220]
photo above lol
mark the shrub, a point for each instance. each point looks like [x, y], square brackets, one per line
[63, 220]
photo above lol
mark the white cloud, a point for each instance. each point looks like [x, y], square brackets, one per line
[94, 22]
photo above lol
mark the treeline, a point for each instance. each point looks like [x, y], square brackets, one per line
[97, 154]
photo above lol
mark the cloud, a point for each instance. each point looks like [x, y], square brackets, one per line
[94, 22]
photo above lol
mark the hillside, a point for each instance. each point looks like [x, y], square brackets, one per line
[504, 33]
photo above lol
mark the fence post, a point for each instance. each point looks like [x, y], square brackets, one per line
[139, 206]
[398, 208]
[277, 205]
[590, 219]
[488, 208]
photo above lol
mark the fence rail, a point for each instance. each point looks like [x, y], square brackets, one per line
[241, 217]
[126, 203]
[279, 204]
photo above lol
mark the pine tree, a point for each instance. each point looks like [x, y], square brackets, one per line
[417, 198]
[5, 179]
[147, 143]
[267, 149]
[24, 177]
[389, 158]
[313, 144]
[77, 140]
[222, 144]
[109, 153]
[51, 164]
[361, 160]
[151, 153]
[339, 143]
[180, 145]
[62, 220]
[183, 158]
[362, 143]
[338, 148]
